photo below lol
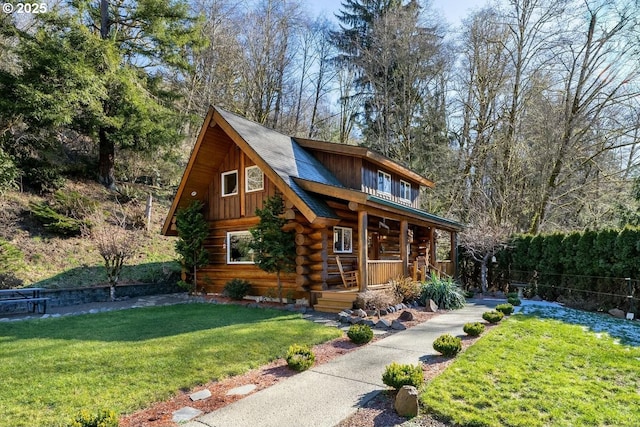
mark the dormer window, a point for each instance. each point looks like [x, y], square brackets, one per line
[229, 183]
[405, 191]
[384, 183]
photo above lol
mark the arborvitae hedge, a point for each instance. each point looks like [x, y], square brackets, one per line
[577, 266]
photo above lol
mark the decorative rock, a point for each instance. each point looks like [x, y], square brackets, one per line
[200, 395]
[617, 313]
[536, 298]
[406, 404]
[383, 324]
[397, 325]
[185, 414]
[361, 313]
[370, 313]
[242, 390]
[391, 309]
[383, 312]
[406, 316]
[399, 307]
[355, 320]
[344, 317]
[369, 322]
[431, 306]
[348, 311]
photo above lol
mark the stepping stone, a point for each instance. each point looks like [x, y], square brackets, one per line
[242, 390]
[200, 395]
[186, 414]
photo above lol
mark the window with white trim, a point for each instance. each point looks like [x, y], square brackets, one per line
[238, 247]
[342, 240]
[384, 182]
[253, 178]
[405, 190]
[229, 183]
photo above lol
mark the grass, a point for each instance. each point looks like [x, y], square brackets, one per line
[540, 372]
[126, 360]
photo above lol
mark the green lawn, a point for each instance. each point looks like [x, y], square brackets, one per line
[540, 372]
[125, 360]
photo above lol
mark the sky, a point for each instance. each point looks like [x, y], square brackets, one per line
[452, 10]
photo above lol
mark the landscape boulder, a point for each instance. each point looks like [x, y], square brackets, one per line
[431, 306]
[617, 313]
[406, 404]
[406, 316]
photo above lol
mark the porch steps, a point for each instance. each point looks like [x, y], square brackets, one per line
[334, 301]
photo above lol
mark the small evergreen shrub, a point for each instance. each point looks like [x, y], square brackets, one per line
[448, 345]
[360, 334]
[514, 301]
[473, 329]
[11, 260]
[236, 289]
[103, 418]
[42, 176]
[444, 292]
[505, 309]
[492, 316]
[300, 357]
[397, 375]
[9, 173]
[512, 295]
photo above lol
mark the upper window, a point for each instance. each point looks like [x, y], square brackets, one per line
[229, 183]
[384, 182]
[405, 190]
[254, 179]
[238, 249]
[342, 240]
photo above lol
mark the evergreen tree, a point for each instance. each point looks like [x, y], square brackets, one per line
[274, 248]
[193, 230]
[100, 69]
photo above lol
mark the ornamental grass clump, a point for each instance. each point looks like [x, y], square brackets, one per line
[397, 375]
[447, 345]
[505, 309]
[492, 316]
[300, 357]
[444, 292]
[473, 329]
[360, 334]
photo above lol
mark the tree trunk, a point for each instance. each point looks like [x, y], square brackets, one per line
[484, 268]
[112, 291]
[106, 161]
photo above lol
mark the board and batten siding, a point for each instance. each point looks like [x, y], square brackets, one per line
[242, 204]
[370, 185]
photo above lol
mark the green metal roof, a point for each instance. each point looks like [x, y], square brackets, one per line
[427, 216]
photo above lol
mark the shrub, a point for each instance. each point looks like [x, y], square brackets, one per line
[103, 418]
[397, 375]
[236, 289]
[360, 334]
[56, 222]
[11, 260]
[74, 204]
[505, 309]
[42, 176]
[512, 295]
[448, 345]
[9, 173]
[405, 289]
[514, 301]
[444, 292]
[473, 329]
[375, 300]
[300, 357]
[492, 316]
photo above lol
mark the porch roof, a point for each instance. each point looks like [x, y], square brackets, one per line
[373, 203]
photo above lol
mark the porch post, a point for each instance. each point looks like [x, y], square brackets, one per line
[454, 253]
[362, 248]
[432, 246]
[404, 243]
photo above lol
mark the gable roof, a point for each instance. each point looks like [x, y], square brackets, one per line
[284, 161]
[279, 156]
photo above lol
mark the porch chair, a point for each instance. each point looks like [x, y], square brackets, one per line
[349, 278]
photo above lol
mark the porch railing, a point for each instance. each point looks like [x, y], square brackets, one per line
[381, 271]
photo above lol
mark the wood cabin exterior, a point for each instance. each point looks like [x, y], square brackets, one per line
[341, 200]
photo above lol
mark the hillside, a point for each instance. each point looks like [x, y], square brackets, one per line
[35, 256]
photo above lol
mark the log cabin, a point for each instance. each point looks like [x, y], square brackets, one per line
[341, 201]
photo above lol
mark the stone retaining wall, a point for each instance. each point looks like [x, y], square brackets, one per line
[75, 296]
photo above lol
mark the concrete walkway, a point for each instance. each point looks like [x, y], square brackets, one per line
[327, 394]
